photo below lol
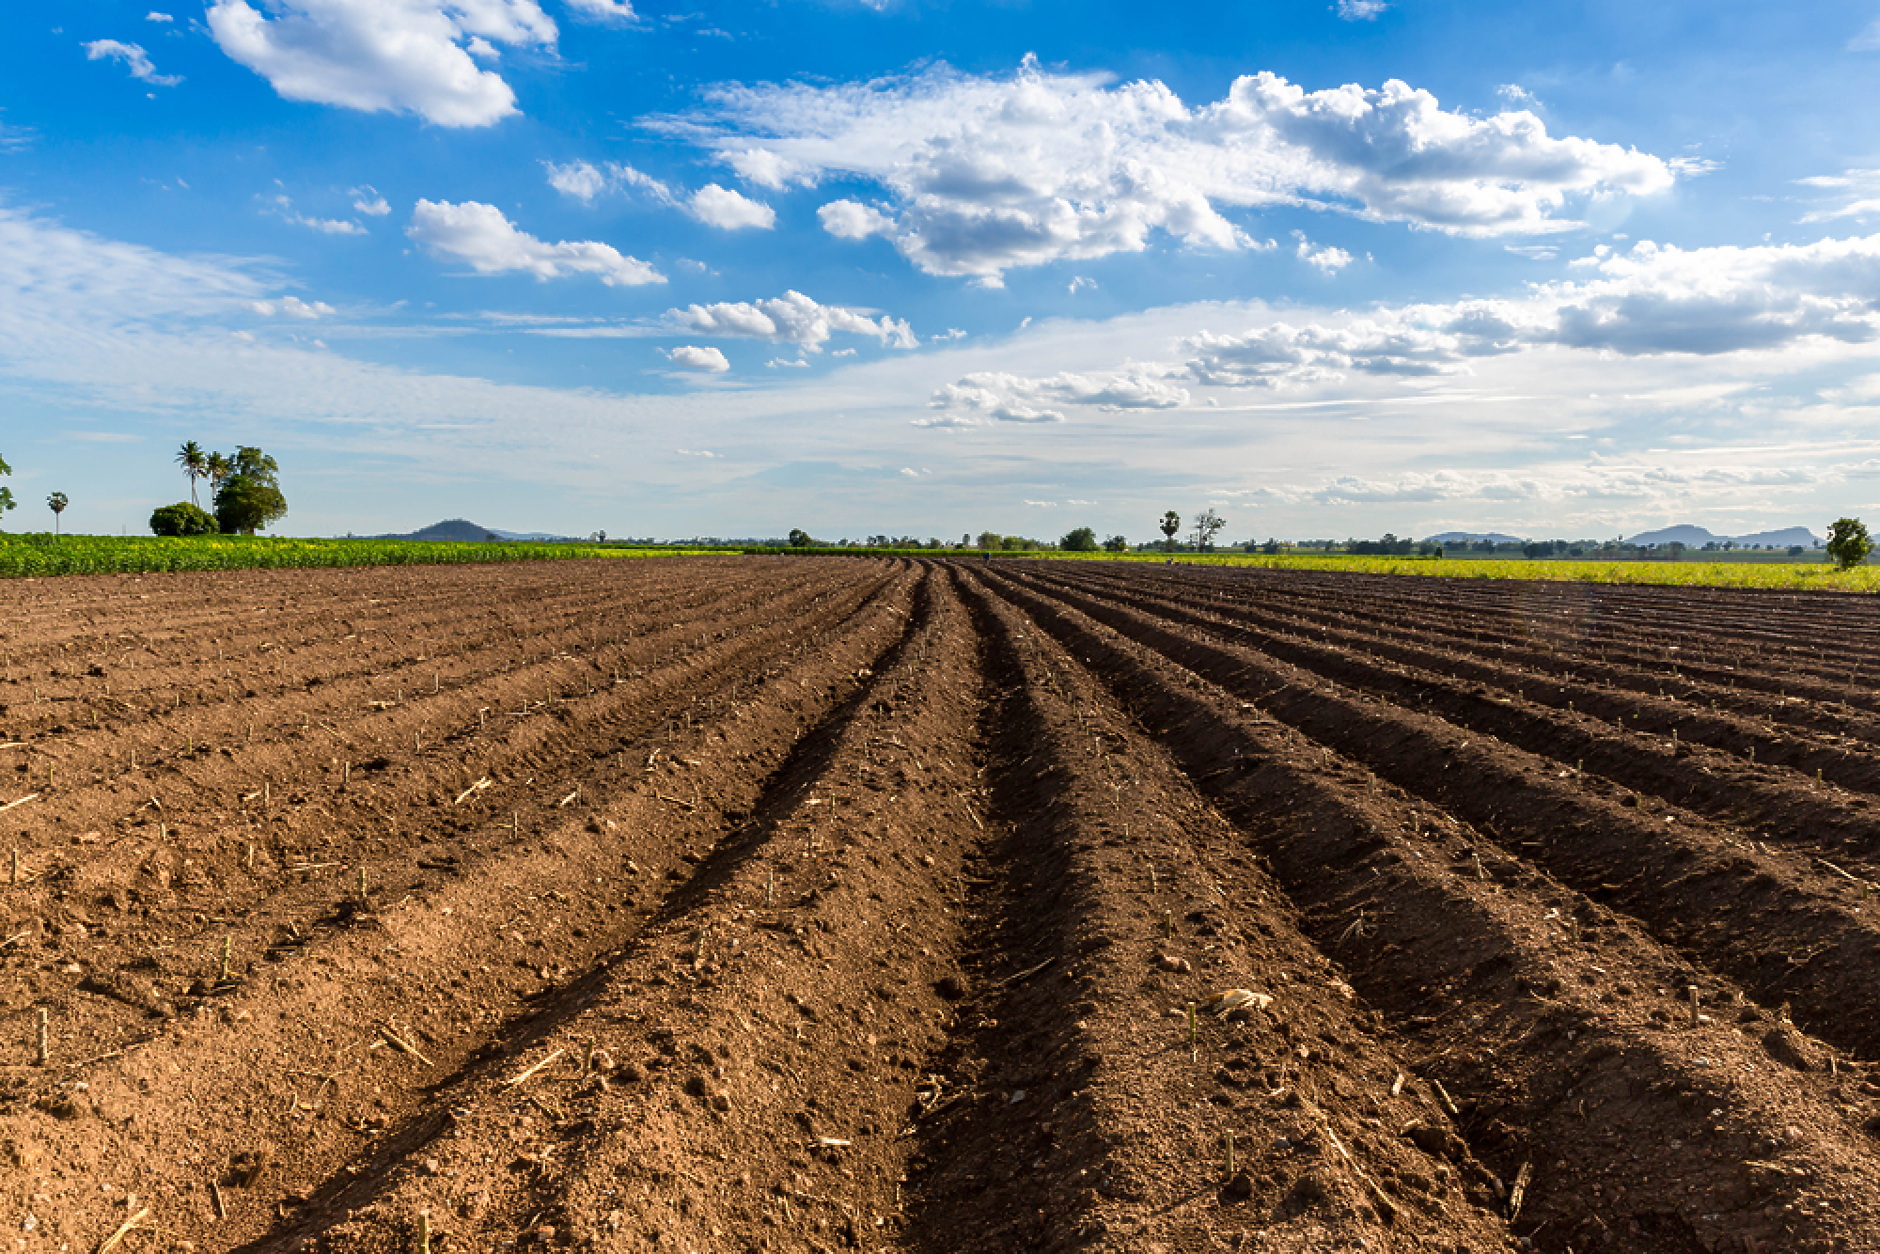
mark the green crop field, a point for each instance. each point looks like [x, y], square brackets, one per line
[1813, 576]
[37, 555]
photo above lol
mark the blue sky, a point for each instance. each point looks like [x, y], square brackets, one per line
[936, 267]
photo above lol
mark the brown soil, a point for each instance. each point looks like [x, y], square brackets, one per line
[799, 904]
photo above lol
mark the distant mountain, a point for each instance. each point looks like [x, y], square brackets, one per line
[1697, 537]
[462, 529]
[1781, 539]
[1459, 537]
[1687, 535]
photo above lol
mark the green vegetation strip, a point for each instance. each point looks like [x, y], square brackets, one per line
[33, 556]
[1813, 576]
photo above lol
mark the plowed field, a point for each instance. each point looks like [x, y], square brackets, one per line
[819, 904]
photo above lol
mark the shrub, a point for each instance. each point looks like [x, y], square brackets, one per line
[182, 519]
[1079, 540]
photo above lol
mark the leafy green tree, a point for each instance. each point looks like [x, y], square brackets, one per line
[1117, 544]
[1079, 540]
[991, 540]
[799, 538]
[182, 519]
[195, 464]
[6, 494]
[56, 503]
[1171, 523]
[1848, 543]
[250, 498]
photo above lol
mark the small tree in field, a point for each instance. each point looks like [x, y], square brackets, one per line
[6, 494]
[250, 498]
[1848, 543]
[56, 503]
[1206, 527]
[1117, 544]
[1079, 540]
[1171, 523]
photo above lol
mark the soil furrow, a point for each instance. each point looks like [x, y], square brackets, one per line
[771, 1016]
[804, 905]
[1151, 892]
[195, 881]
[1602, 635]
[1784, 929]
[303, 1055]
[1607, 736]
[1810, 738]
[1528, 1002]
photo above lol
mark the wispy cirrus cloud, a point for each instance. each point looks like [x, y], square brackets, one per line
[133, 58]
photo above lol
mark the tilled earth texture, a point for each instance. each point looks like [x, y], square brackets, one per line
[820, 904]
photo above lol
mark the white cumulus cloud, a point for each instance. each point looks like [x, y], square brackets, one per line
[1361, 10]
[1325, 258]
[578, 179]
[712, 204]
[408, 56]
[1009, 397]
[154, 16]
[369, 202]
[693, 357]
[987, 174]
[792, 318]
[481, 235]
[292, 307]
[1650, 300]
[135, 59]
[329, 226]
[729, 211]
[603, 10]
[850, 219]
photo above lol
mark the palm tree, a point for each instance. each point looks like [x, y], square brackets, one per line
[56, 503]
[195, 464]
[218, 468]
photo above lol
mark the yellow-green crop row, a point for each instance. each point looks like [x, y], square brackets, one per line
[1812, 576]
[34, 556]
